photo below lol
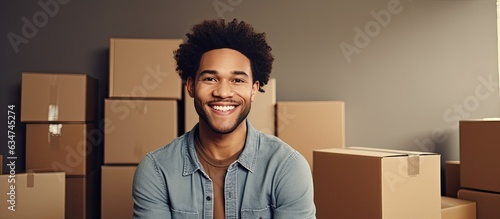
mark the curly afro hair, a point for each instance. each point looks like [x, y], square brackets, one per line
[217, 34]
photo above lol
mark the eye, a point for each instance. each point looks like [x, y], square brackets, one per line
[211, 79]
[239, 80]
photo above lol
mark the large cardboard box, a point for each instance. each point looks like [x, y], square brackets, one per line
[452, 177]
[262, 115]
[36, 195]
[309, 125]
[61, 147]
[82, 198]
[354, 183]
[452, 208]
[136, 127]
[143, 68]
[116, 198]
[487, 203]
[479, 149]
[56, 97]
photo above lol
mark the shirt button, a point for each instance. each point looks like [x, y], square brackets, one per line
[209, 198]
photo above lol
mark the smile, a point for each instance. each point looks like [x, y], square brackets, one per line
[223, 108]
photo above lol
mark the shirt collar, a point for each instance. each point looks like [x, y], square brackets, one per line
[247, 158]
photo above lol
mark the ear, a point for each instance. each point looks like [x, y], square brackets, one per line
[190, 86]
[255, 89]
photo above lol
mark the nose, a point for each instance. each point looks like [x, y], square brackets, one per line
[223, 90]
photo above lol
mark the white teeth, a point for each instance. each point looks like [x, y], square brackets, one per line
[223, 108]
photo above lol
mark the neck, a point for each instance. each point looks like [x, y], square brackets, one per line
[222, 146]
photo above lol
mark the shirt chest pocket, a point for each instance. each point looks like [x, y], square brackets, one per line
[263, 213]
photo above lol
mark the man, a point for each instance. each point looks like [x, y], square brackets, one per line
[223, 167]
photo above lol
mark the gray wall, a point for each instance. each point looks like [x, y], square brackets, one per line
[406, 79]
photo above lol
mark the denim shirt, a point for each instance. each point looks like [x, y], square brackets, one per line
[268, 180]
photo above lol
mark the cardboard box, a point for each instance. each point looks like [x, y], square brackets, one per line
[136, 127]
[37, 195]
[487, 203]
[61, 147]
[262, 114]
[353, 183]
[479, 149]
[144, 68]
[82, 198]
[309, 125]
[452, 208]
[56, 97]
[116, 199]
[452, 177]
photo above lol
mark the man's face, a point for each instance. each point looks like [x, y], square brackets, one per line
[223, 89]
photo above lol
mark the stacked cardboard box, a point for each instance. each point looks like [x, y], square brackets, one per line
[140, 114]
[34, 195]
[145, 126]
[487, 202]
[353, 183]
[262, 114]
[480, 166]
[117, 198]
[452, 177]
[143, 68]
[59, 112]
[294, 118]
[452, 208]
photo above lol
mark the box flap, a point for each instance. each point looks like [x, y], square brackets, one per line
[373, 152]
[350, 151]
[413, 157]
[393, 152]
[449, 202]
[491, 119]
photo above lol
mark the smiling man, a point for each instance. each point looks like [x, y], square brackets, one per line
[223, 167]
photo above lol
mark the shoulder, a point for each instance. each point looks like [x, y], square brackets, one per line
[272, 144]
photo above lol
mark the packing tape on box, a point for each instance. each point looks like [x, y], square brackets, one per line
[54, 135]
[413, 164]
[53, 99]
[30, 179]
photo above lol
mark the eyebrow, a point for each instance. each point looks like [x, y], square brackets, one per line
[213, 72]
[241, 73]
